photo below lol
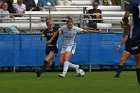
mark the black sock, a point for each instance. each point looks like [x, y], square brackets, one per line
[119, 69]
[44, 66]
[138, 74]
[53, 65]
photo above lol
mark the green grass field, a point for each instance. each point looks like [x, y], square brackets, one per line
[49, 82]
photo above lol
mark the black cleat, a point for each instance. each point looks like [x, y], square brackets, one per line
[38, 72]
[116, 75]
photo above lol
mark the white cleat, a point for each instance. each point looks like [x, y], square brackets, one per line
[62, 75]
[77, 69]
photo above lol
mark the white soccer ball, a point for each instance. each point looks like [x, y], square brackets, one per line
[81, 73]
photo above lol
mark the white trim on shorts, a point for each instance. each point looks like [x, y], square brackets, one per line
[127, 52]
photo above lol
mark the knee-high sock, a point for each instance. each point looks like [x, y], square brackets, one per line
[44, 66]
[72, 65]
[65, 67]
[138, 75]
[119, 69]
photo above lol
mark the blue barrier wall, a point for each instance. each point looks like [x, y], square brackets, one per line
[92, 48]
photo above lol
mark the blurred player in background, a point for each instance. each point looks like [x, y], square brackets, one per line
[125, 55]
[51, 49]
[134, 8]
[69, 32]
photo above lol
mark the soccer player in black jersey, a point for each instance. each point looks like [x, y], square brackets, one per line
[125, 55]
[134, 8]
[51, 49]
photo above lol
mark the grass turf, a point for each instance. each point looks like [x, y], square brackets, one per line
[49, 82]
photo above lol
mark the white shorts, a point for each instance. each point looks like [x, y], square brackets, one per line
[68, 48]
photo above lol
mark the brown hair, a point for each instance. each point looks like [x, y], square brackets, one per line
[69, 20]
[48, 18]
[68, 17]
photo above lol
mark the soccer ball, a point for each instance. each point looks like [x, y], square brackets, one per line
[81, 73]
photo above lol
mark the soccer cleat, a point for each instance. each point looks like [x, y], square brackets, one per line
[38, 72]
[77, 68]
[62, 75]
[116, 75]
[118, 71]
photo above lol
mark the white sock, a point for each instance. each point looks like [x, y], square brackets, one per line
[72, 65]
[65, 67]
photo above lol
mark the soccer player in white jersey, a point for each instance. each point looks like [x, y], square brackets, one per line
[69, 32]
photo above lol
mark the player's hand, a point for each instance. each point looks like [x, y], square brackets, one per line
[49, 42]
[117, 49]
[42, 37]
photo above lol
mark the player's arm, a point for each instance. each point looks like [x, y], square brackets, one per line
[90, 31]
[42, 37]
[122, 43]
[125, 18]
[55, 34]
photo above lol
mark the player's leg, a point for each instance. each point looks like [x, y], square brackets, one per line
[125, 56]
[72, 49]
[47, 60]
[66, 56]
[64, 60]
[52, 65]
[137, 59]
[51, 52]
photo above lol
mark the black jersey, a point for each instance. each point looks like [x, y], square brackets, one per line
[98, 13]
[126, 32]
[135, 10]
[48, 34]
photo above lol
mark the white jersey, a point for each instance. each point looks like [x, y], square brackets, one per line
[69, 35]
[4, 15]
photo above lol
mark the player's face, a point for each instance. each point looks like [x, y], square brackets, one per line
[49, 24]
[69, 25]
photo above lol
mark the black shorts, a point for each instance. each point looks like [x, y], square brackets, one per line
[128, 46]
[132, 47]
[51, 49]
